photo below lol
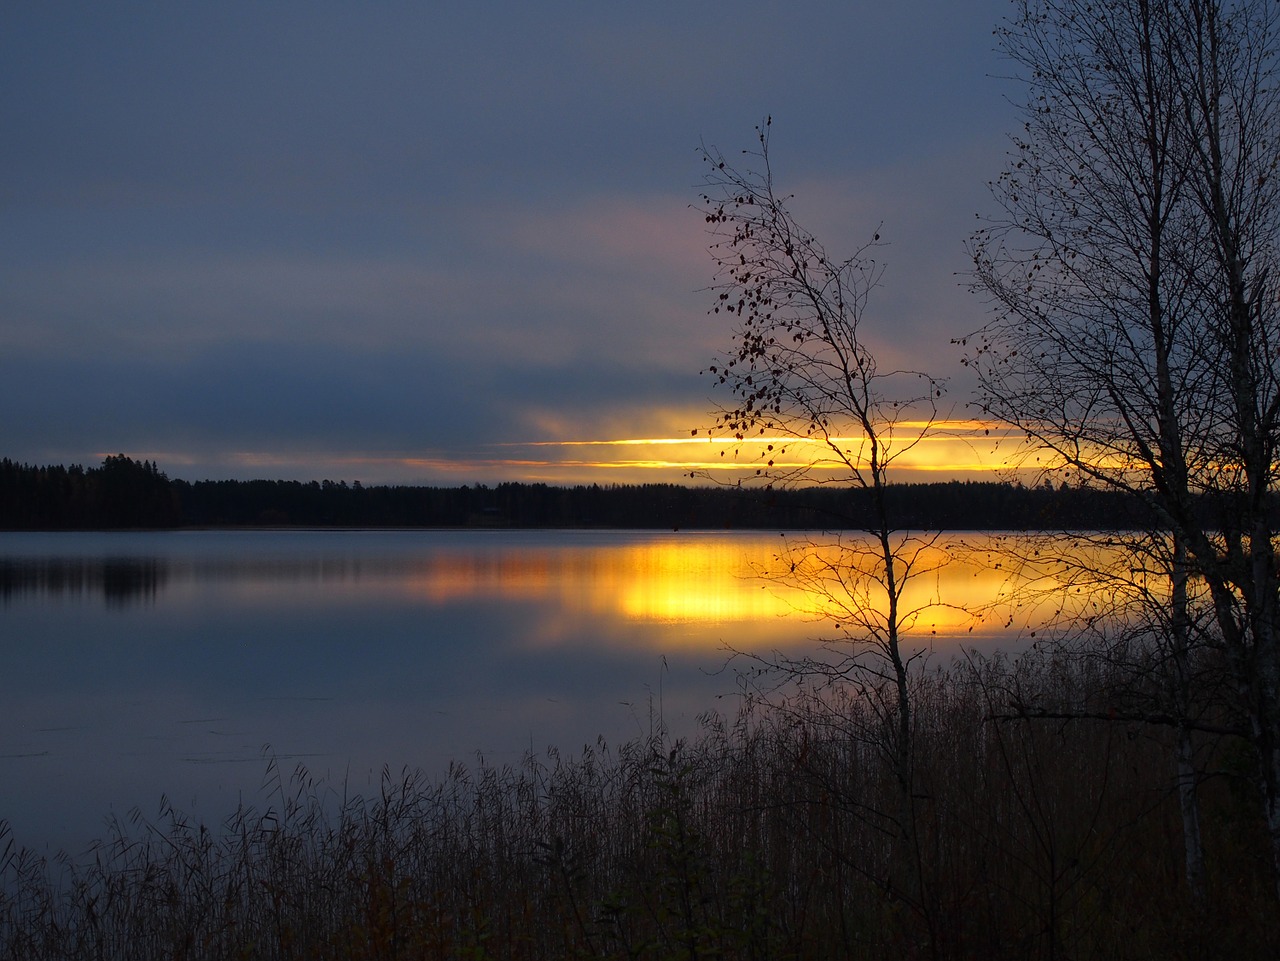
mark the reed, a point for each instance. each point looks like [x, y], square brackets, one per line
[767, 836]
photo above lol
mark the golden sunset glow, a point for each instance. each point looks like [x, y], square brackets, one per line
[742, 588]
[706, 579]
[710, 581]
[946, 448]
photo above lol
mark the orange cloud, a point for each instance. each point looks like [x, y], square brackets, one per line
[950, 449]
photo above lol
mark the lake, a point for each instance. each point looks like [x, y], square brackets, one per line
[142, 665]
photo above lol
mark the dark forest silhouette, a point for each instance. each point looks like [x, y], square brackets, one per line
[128, 494]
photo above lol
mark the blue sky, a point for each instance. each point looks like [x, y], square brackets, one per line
[431, 243]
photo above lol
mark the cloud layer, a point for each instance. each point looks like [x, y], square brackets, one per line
[273, 240]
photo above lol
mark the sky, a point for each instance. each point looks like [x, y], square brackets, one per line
[450, 244]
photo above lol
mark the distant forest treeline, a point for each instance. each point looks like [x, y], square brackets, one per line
[124, 493]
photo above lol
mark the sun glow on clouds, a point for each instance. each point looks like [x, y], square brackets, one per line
[947, 450]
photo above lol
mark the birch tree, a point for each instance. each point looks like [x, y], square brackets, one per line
[810, 404]
[1135, 322]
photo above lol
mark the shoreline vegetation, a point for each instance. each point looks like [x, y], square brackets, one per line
[124, 493]
[765, 836]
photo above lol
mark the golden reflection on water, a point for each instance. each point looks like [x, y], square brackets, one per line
[744, 585]
[682, 579]
[710, 581]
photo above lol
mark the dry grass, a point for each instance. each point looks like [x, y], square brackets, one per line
[768, 837]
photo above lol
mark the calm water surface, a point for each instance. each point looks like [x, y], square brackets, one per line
[146, 664]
